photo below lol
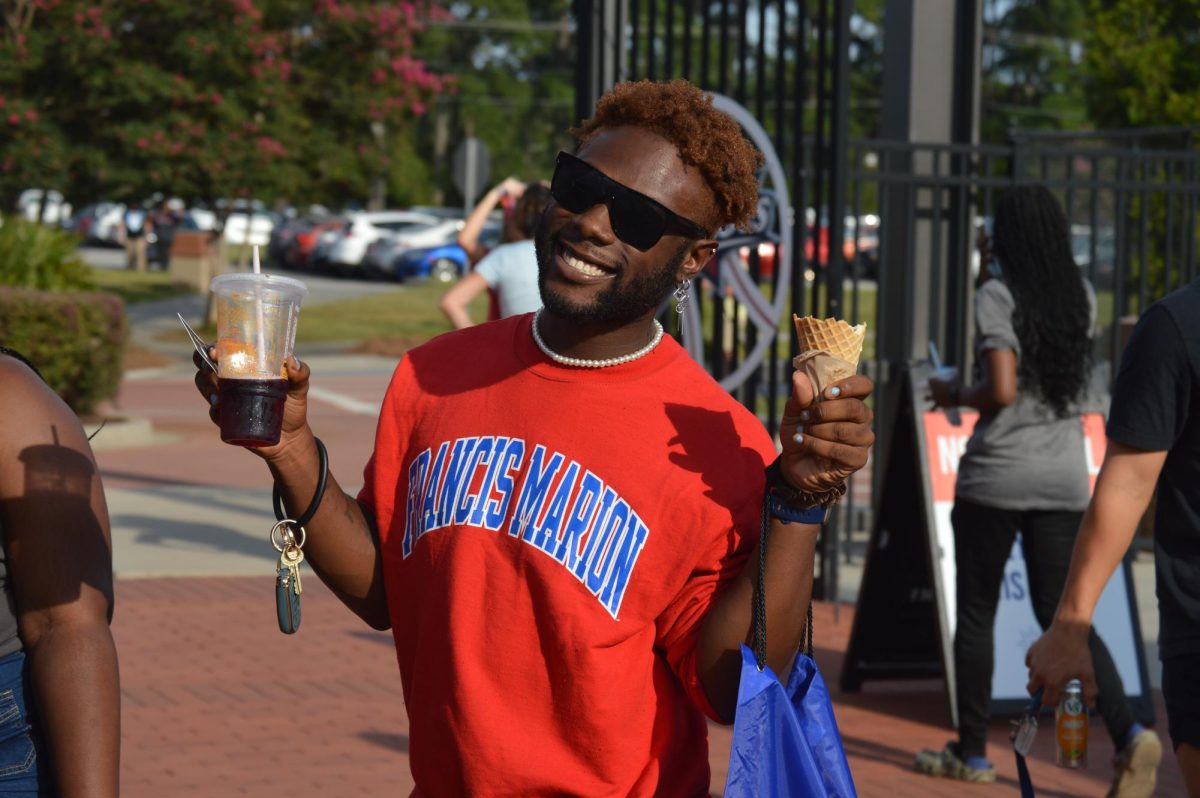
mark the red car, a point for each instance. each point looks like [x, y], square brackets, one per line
[303, 243]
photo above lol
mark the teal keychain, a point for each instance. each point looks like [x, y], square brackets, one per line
[291, 549]
[287, 574]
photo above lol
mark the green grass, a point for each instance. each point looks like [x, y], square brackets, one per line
[410, 314]
[394, 320]
[135, 287]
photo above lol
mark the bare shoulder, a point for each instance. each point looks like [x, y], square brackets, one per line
[21, 389]
[33, 413]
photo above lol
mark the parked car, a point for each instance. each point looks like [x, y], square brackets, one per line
[346, 252]
[1106, 249]
[439, 211]
[445, 264]
[283, 237]
[302, 252]
[99, 223]
[318, 260]
[55, 210]
[389, 246]
[248, 228]
[200, 219]
[863, 256]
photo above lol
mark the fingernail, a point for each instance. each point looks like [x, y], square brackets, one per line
[835, 391]
[798, 438]
[805, 415]
[212, 399]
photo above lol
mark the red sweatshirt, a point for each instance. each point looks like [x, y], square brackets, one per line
[553, 538]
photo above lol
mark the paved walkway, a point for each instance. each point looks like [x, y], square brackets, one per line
[217, 702]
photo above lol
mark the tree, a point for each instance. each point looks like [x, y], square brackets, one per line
[1143, 62]
[1030, 73]
[518, 94]
[208, 99]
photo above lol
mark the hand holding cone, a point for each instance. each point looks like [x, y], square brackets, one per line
[829, 350]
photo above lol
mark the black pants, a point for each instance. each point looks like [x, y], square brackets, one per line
[983, 539]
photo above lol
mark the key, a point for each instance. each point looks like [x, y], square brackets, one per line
[291, 558]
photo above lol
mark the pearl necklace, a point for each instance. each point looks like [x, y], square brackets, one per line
[600, 363]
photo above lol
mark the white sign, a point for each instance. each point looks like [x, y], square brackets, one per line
[1016, 627]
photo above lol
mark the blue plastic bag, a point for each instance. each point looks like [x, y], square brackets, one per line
[785, 740]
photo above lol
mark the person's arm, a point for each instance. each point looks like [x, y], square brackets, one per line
[342, 546]
[468, 237]
[997, 389]
[59, 558]
[1123, 491]
[836, 439]
[458, 297]
[1151, 397]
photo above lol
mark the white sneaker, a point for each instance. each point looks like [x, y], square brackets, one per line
[1135, 768]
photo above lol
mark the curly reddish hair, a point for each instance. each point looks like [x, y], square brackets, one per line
[707, 139]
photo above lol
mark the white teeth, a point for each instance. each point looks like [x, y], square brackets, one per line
[583, 267]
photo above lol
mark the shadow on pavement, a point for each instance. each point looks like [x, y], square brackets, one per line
[859, 749]
[375, 637]
[153, 531]
[393, 742]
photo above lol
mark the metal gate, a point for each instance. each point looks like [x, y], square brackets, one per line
[883, 231]
[786, 62]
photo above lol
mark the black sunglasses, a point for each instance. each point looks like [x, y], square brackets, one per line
[636, 219]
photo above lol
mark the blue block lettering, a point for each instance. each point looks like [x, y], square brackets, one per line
[534, 491]
[580, 518]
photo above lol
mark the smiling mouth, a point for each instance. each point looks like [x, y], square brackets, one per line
[583, 267]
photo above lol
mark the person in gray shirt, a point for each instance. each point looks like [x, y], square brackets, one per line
[1024, 470]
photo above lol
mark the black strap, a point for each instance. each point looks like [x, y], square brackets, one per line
[1023, 777]
[1026, 782]
[760, 596]
[322, 479]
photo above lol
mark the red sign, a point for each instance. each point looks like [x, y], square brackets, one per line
[945, 444]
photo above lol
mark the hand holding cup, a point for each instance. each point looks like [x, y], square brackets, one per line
[256, 330]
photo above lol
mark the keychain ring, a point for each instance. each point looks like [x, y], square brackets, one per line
[286, 537]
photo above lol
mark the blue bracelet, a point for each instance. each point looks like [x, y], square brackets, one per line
[790, 515]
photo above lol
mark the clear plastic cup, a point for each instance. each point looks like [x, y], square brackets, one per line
[256, 330]
[945, 374]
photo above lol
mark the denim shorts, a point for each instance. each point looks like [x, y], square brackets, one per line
[20, 764]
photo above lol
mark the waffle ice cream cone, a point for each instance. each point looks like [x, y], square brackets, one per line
[829, 349]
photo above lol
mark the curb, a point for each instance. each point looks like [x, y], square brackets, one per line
[123, 433]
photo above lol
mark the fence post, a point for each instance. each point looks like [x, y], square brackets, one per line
[923, 104]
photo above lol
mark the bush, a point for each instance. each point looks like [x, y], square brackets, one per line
[76, 340]
[40, 257]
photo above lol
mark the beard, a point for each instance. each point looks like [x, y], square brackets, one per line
[622, 301]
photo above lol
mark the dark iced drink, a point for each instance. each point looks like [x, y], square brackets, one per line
[252, 411]
[256, 327]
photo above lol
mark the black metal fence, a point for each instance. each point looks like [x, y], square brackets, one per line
[882, 232]
[1133, 217]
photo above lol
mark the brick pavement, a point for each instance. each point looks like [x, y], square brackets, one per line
[216, 702]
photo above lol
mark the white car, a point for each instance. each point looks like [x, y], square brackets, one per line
[253, 229]
[200, 219]
[346, 253]
[435, 235]
[101, 224]
[56, 209]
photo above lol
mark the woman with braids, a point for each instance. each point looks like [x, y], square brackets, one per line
[59, 696]
[1024, 470]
